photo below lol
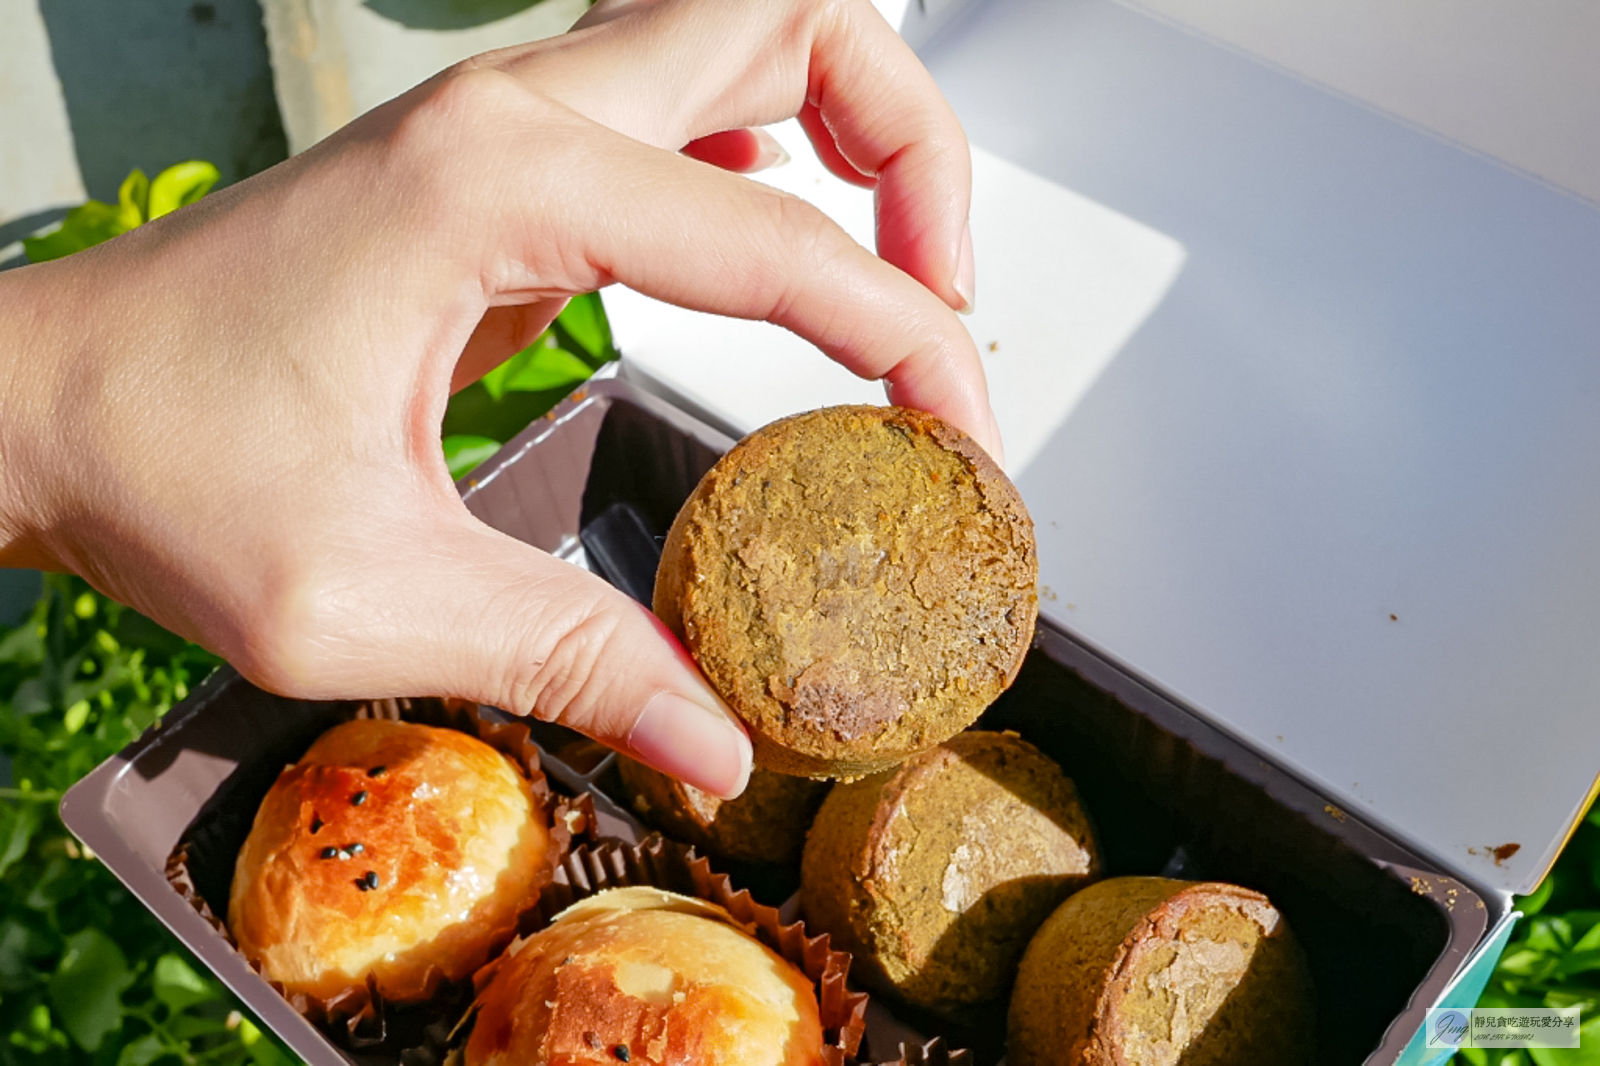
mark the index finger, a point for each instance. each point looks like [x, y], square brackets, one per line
[672, 71]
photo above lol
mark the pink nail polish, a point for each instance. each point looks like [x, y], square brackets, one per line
[693, 744]
[966, 272]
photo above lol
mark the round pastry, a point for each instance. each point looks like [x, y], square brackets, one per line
[858, 583]
[935, 875]
[767, 823]
[397, 850]
[1146, 971]
[644, 976]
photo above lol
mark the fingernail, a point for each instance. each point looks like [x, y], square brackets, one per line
[966, 272]
[769, 153]
[999, 455]
[693, 744]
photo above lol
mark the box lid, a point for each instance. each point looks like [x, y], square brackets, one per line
[1302, 399]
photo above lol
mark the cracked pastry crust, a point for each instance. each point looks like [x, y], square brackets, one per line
[859, 583]
[935, 875]
[393, 849]
[1146, 971]
[645, 976]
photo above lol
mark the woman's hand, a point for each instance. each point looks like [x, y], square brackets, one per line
[229, 418]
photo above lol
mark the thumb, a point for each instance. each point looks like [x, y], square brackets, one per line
[475, 614]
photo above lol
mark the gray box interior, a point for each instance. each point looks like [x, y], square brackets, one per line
[1169, 791]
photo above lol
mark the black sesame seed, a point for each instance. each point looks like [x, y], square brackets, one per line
[330, 853]
[354, 849]
[377, 771]
[370, 879]
[622, 1053]
[359, 798]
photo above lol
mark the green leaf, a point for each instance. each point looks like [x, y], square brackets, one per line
[190, 1026]
[1551, 933]
[178, 986]
[50, 885]
[584, 320]
[463, 453]
[1526, 962]
[1576, 962]
[548, 368]
[138, 201]
[20, 944]
[181, 185]
[76, 715]
[23, 646]
[1573, 995]
[133, 199]
[17, 823]
[30, 698]
[494, 382]
[38, 1034]
[262, 1051]
[1534, 902]
[143, 1051]
[539, 367]
[1586, 1054]
[87, 987]
[83, 227]
[1583, 923]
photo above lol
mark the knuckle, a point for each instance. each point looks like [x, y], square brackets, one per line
[555, 682]
[311, 628]
[467, 92]
[282, 641]
[446, 118]
[786, 238]
[806, 244]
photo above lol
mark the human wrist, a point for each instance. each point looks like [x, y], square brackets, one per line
[33, 347]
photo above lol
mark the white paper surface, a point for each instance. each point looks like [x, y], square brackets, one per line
[1062, 284]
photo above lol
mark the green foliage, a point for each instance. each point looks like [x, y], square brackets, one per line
[464, 451]
[138, 201]
[486, 414]
[87, 975]
[1555, 960]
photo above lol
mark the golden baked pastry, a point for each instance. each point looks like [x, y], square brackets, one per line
[767, 823]
[644, 976]
[936, 874]
[392, 849]
[857, 582]
[1146, 971]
